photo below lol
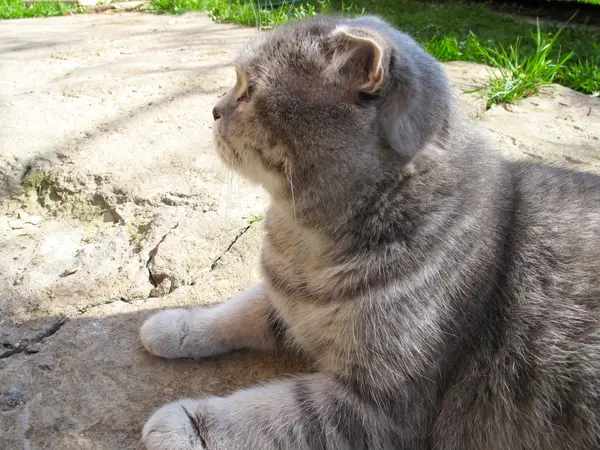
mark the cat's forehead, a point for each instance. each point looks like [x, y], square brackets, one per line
[301, 44]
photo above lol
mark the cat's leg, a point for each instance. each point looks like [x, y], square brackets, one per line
[312, 412]
[246, 320]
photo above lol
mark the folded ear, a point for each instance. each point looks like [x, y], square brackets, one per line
[359, 54]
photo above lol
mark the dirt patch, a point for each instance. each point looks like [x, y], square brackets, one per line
[113, 203]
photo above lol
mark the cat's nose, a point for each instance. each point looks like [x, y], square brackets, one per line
[216, 114]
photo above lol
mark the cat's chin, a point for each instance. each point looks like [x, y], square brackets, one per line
[227, 156]
[260, 177]
[251, 171]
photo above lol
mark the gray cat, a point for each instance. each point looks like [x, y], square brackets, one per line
[450, 298]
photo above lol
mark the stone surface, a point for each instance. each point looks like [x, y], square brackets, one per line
[558, 125]
[113, 204]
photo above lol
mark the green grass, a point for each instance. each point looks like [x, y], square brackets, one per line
[242, 12]
[589, 2]
[450, 30]
[582, 75]
[16, 9]
[255, 219]
[521, 73]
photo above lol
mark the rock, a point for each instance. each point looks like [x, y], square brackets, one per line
[34, 220]
[129, 6]
[16, 224]
[125, 201]
[559, 125]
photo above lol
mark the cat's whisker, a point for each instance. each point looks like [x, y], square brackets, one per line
[288, 174]
[220, 169]
[256, 11]
[290, 9]
[239, 187]
[225, 195]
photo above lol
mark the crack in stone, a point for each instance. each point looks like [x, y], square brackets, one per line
[152, 254]
[23, 346]
[231, 244]
[107, 302]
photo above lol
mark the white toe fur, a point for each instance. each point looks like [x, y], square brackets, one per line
[170, 428]
[181, 333]
[164, 333]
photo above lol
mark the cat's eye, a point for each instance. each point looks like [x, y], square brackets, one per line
[248, 94]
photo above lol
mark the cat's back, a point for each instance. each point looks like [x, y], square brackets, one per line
[536, 381]
[554, 303]
[556, 230]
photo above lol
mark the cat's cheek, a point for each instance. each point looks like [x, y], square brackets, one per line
[242, 107]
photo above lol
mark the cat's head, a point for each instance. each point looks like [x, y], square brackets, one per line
[326, 102]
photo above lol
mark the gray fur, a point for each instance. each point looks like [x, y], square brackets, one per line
[449, 298]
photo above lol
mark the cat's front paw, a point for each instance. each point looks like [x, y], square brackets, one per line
[175, 426]
[164, 333]
[182, 333]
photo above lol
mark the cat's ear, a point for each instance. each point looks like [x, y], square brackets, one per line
[360, 54]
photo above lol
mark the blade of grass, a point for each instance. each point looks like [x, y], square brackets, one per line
[521, 74]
